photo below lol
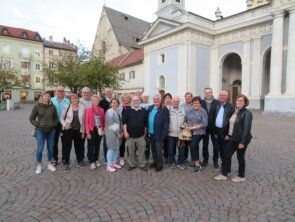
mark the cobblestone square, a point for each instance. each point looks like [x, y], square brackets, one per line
[171, 195]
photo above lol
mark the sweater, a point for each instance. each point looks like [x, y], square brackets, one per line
[44, 117]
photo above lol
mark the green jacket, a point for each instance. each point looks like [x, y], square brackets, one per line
[44, 117]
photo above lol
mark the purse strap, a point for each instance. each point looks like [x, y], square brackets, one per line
[67, 112]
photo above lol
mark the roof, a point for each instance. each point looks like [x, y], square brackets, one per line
[130, 58]
[128, 29]
[19, 33]
[59, 45]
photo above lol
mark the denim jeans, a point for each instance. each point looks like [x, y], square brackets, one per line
[195, 147]
[172, 143]
[41, 137]
[112, 156]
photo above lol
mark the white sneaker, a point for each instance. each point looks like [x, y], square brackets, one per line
[51, 168]
[220, 177]
[38, 169]
[97, 164]
[111, 169]
[92, 166]
[238, 179]
[122, 163]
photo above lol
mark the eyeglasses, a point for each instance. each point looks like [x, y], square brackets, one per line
[60, 90]
[197, 103]
[240, 101]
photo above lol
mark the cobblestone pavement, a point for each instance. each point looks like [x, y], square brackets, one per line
[171, 195]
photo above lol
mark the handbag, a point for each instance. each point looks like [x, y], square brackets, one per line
[185, 134]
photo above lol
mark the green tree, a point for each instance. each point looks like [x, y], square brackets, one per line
[8, 79]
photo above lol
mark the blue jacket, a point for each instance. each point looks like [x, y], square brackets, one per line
[161, 122]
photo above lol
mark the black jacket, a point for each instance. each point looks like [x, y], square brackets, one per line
[211, 112]
[229, 109]
[242, 127]
[161, 122]
[104, 104]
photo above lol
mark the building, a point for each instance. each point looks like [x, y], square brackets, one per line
[131, 71]
[53, 51]
[118, 33]
[252, 52]
[22, 50]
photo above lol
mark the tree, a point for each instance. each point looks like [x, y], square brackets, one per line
[100, 74]
[8, 79]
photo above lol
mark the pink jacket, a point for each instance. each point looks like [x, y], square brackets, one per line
[89, 118]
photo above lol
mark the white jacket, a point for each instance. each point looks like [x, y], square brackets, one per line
[69, 118]
[176, 120]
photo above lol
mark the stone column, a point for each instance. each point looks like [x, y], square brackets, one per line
[246, 68]
[277, 54]
[215, 75]
[256, 77]
[290, 76]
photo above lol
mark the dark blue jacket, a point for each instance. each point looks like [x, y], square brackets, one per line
[161, 122]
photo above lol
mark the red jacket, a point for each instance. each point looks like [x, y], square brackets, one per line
[89, 118]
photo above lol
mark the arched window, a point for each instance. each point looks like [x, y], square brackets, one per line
[161, 82]
[24, 35]
[5, 31]
[104, 46]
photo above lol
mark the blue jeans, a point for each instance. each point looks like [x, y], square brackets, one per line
[41, 137]
[172, 143]
[196, 139]
[112, 156]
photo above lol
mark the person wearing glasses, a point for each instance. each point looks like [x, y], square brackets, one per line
[196, 120]
[59, 101]
[239, 137]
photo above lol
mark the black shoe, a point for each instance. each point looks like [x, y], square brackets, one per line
[131, 168]
[153, 165]
[204, 163]
[158, 169]
[215, 164]
[143, 168]
[81, 164]
[66, 168]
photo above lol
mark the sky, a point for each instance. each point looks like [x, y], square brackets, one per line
[77, 20]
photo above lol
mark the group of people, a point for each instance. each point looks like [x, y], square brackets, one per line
[138, 126]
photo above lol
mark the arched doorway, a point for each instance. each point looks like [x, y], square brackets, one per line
[265, 75]
[232, 75]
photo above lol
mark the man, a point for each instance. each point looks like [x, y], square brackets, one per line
[187, 105]
[209, 103]
[59, 101]
[135, 123]
[105, 104]
[158, 123]
[86, 95]
[177, 115]
[223, 113]
[123, 109]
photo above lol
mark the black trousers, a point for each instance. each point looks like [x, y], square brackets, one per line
[147, 148]
[222, 145]
[70, 136]
[165, 147]
[157, 152]
[94, 146]
[58, 133]
[209, 133]
[122, 148]
[232, 148]
[186, 149]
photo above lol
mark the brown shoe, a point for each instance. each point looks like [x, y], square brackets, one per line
[144, 168]
[131, 168]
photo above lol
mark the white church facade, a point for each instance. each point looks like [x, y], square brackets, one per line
[252, 52]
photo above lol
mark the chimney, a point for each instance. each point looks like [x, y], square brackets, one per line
[249, 4]
[218, 14]
[65, 40]
[50, 38]
[68, 42]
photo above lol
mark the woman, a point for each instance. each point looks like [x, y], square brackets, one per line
[239, 136]
[94, 125]
[72, 121]
[44, 118]
[167, 100]
[114, 134]
[197, 121]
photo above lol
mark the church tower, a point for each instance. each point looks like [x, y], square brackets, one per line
[170, 8]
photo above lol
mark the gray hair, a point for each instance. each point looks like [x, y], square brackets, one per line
[85, 88]
[157, 95]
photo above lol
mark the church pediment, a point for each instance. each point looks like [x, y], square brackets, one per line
[161, 25]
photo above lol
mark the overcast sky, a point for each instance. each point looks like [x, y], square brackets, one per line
[77, 20]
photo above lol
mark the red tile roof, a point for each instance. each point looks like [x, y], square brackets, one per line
[18, 33]
[128, 59]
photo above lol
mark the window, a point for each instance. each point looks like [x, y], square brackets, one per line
[5, 48]
[50, 79]
[6, 95]
[122, 76]
[37, 37]
[24, 35]
[161, 82]
[132, 75]
[37, 66]
[25, 53]
[178, 1]
[60, 53]
[163, 1]
[25, 65]
[5, 31]
[38, 52]
[38, 79]
[104, 46]
[50, 65]
[5, 64]
[50, 52]
[125, 17]
[162, 58]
